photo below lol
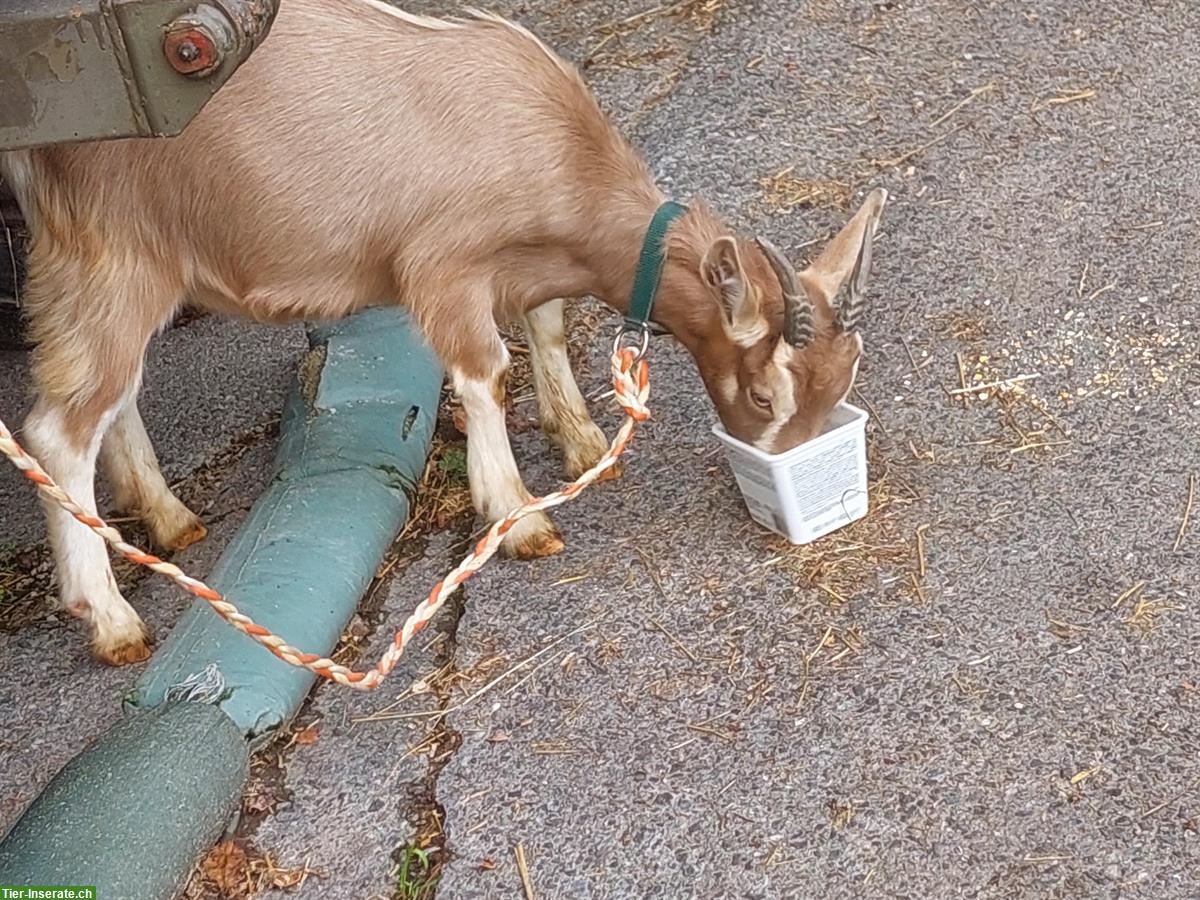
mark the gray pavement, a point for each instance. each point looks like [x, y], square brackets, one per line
[711, 713]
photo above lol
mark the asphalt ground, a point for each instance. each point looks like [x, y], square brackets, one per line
[988, 688]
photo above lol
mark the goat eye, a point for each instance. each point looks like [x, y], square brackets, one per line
[762, 401]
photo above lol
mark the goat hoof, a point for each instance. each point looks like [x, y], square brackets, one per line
[193, 535]
[177, 534]
[613, 472]
[533, 537]
[586, 453]
[123, 650]
[576, 467]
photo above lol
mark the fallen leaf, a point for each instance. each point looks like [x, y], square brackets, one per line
[225, 866]
[309, 735]
[259, 803]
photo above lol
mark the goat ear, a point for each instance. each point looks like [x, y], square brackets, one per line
[722, 270]
[846, 262]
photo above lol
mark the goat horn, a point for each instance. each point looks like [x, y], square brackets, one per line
[799, 327]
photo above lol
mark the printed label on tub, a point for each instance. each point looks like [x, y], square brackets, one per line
[750, 474]
[820, 483]
[764, 513]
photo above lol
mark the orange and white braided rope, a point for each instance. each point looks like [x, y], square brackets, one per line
[631, 386]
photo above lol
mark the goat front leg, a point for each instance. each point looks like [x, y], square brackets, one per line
[562, 410]
[139, 488]
[496, 486]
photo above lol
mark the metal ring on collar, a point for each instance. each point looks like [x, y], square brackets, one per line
[642, 330]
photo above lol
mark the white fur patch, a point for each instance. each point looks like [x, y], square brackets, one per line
[496, 485]
[749, 335]
[782, 354]
[563, 411]
[133, 472]
[783, 392]
[86, 585]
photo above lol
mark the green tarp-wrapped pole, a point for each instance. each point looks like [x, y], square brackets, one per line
[131, 815]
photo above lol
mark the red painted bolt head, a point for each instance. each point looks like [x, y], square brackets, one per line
[191, 50]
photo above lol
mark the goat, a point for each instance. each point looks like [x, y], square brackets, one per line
[460, 168]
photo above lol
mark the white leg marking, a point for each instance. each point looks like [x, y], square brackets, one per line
[496, 486]
[87, 588]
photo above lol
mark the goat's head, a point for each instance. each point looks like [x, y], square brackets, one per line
[788, 348]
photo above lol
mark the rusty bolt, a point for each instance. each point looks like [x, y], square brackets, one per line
[191, 50]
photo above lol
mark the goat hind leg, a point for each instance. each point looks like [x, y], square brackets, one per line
[67, 449]
[91, 323]
[138, 486]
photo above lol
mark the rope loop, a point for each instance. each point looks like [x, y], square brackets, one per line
[631, 386]
[631, 383]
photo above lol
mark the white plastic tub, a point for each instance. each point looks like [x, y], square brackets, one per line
[812, 489]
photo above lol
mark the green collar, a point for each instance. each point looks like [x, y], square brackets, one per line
[650, 265]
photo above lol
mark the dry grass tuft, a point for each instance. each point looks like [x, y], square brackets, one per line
[26, 590]
[264, 871]
[1061, 98]
[617, 46]
[844, 563]
[700, 14]
[229, 872]
[840, 814]
[1181, 534]
[635, 59]
[1145, 614]
[1027, 424]
[519, 378]
[958, 326]
[784, 192]
[444, 493]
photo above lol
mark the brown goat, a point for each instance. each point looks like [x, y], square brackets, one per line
[460, 168]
